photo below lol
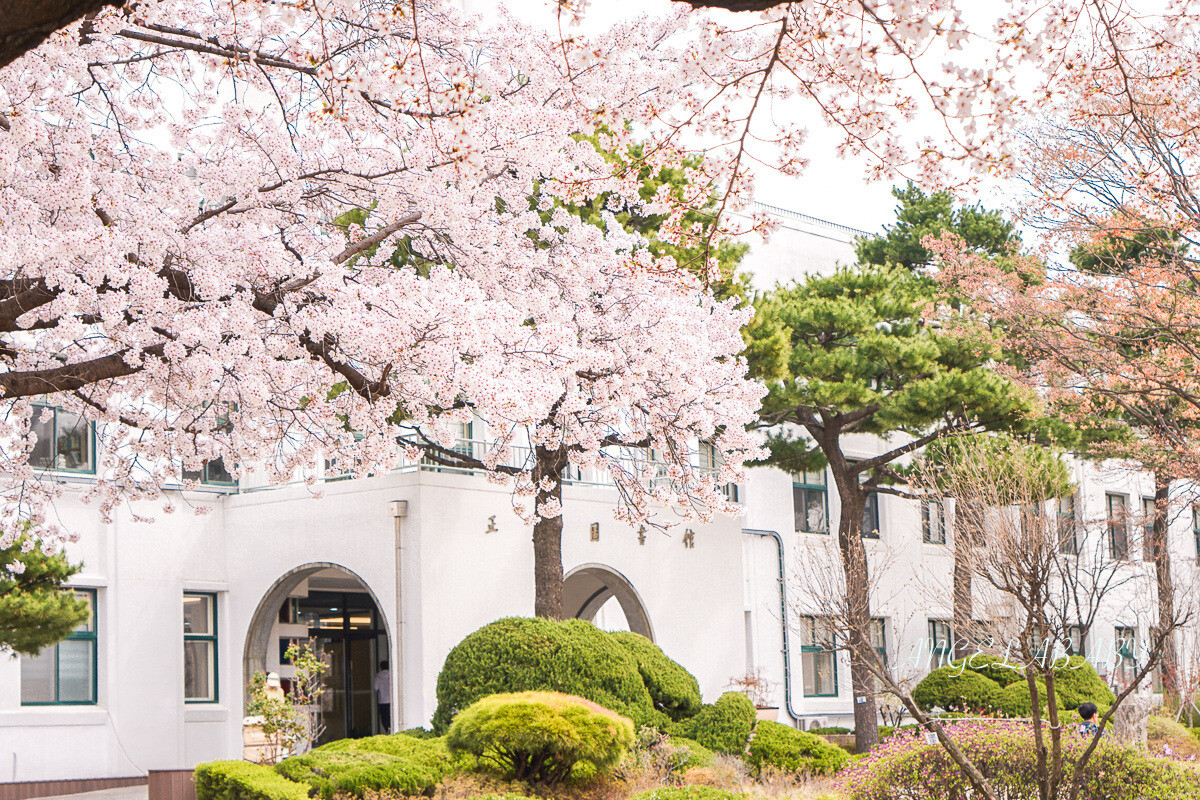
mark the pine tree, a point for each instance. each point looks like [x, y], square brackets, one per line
[34, 610]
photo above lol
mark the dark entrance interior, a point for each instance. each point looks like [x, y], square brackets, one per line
[352, 635]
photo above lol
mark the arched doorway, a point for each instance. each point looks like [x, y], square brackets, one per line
[602, 595]
[332, 605]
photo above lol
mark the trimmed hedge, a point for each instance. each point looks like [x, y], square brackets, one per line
[569, 656]
[947, 688]
[395, 762]
[241, 780]
[673, 690]
[1015, 700]
[832, 730]
[541, 736]
[994, 668]
[1077, 682]
[723, 726]
[784, 748]
[698, 754]
[688, 793]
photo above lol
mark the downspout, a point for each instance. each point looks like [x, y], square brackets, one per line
[783, 619]
[399, 509]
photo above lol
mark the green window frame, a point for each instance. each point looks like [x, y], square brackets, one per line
[941, 641]
[50, 454]
[1125, 643]
[879, 637]
[213, 473]
[818, 659]
[1077, 641]
[933, 521]
[200, 648]
[1149, 507]
[1068, 526]
[810, 502]
[1118, 525]
[42, 676]
[870, 523]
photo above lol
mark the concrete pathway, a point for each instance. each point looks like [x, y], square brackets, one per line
[122, 793]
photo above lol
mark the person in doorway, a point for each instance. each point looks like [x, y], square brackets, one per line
[383, 696]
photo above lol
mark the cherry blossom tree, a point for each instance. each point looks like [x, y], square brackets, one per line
[176, 268]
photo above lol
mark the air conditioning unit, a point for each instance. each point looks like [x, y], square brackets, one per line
[808, 723]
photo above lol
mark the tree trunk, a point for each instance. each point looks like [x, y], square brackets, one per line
[24, 24]
[966, 535]
[1169, 664]
[547, 533]
[858, 612]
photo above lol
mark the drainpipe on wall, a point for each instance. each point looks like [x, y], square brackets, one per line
[783, 619]
[399, 509]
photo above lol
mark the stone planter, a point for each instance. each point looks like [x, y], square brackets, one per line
[768, 714]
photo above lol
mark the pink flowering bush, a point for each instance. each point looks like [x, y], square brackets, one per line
[904, 767]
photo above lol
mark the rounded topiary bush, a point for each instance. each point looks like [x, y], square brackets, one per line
[540, 736]
[1015, 700]
[1076, 682]
[723, 726]
[996, 668]
[571, 656]
[956, 689]
[397, 762]
[697, 754]
[673, 690]
[790, 750]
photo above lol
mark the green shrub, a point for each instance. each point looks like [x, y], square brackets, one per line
[790, 750]
[397, 762]
[419, 733]
[952, 690]
[673, 689]
[698, 755]
[1076, 682]
[569, 656]
[995, 668]
[1015, 700]
[541, 736]
[688, 793]
[241, 780]
[1005, 755]
[832, 730]
[723, 726]
[1163, 728]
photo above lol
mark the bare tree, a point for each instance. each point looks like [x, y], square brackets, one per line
[1042, 580]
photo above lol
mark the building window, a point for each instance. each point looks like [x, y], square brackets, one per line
[1125, 644]
[65, 441]
[941, 641]
[870, 522]
[710, 461]
[879, 638]
[1196, 530]
[199, 648]
[818, 658]
[810, 502]
[1076, 641]
[933, 521]
[1148, 506]
[64, 673]
[1068, 526]
[1118, 526]
[213, 473]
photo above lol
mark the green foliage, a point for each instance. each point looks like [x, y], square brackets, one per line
[34, 610]
[1006, 757]
[377, 763]
[1163, 728]
[241, 780]
[570, 656]
[1119, 251]
[996, 668]
[1076, 682]
[1016, 701]
[673, 689]
[419, 733]
[540, 736]
[954, 690]
[960, 463]
[920, 215]
[832, 730]
[790, 750]
[688, 793]
[723, 726]
[697, 754]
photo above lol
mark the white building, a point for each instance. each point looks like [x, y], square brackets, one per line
[400, 567]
